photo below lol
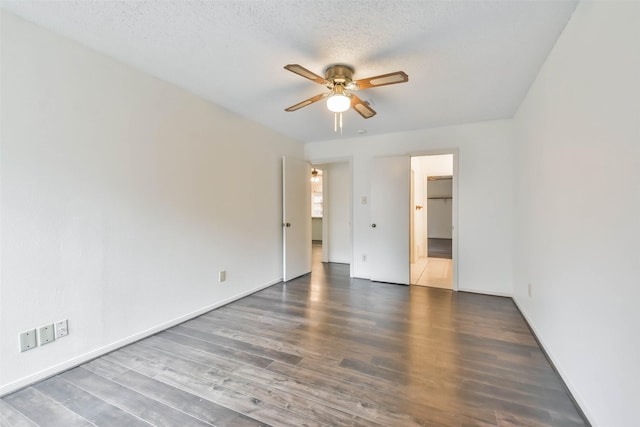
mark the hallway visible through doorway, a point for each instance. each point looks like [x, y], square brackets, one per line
[432, 237]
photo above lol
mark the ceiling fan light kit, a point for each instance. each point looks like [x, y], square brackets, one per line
[339, 80]
[338, 101]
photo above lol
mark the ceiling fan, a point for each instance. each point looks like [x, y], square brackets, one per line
[339, 80]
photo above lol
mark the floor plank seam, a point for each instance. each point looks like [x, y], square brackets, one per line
[98, 397]
[248, 396]
[322, 350]
[185, 390]
[152, 398]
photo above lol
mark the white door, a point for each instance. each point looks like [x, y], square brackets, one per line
[296, 218]
[389, 226]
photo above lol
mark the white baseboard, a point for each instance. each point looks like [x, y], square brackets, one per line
[76, 361]
[574, 393]
[492, 294]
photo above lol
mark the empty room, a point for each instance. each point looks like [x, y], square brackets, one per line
[227, 213]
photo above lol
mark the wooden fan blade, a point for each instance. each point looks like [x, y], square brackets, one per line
[307, 102]
[301, 71]
[362, 107]
[383, 80]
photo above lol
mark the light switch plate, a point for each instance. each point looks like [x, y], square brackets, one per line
[46, 334]
[28, 340]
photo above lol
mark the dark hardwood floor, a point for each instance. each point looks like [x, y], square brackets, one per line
[321, 350]
[440, 248]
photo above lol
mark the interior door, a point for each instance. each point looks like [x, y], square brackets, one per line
[389, 226]
[296, 218]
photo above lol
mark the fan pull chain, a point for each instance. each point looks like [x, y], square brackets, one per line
[335, 122]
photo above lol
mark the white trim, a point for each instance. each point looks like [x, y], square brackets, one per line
[326, 217]
[76, 361]
[491, 294]
[455, 153]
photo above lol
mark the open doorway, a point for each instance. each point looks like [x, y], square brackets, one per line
[317, 205]
[331, 211]
[431, 222]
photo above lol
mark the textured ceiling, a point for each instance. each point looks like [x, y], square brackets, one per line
[467, 61]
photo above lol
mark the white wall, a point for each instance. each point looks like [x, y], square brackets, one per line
[338, 181]
[578, 209]
[316, 229]
[438, 165]
[440, 210]
[122, 197]
[439, 214]
[485, 197]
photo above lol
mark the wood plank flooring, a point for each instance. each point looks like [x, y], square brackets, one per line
[433, 272]
[321, 350]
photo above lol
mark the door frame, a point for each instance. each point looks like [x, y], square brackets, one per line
[455, 203]
[326, 197]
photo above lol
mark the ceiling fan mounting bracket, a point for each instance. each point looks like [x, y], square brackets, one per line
[339, 74]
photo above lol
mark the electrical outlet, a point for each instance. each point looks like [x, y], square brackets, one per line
[28, 340]
[46, 334]
[62, 328]
[364, 200]
[222, 276]
[529, 290]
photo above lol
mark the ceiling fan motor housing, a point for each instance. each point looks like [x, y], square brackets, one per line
[339, 74]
